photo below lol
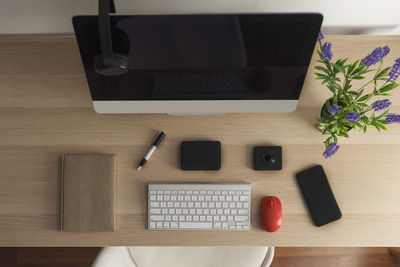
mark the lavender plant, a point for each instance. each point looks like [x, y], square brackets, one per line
[351, 108]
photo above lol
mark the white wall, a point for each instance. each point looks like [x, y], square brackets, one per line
[341, 16]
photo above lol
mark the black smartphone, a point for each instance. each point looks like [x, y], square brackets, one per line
[318, 195]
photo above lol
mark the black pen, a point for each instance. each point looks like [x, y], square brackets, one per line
[157, 140]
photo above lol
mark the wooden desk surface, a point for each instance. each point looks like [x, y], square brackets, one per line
[46, 110]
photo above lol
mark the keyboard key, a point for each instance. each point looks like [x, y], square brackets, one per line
[244, 198]
[166, 225]
[174, 225]
[152, 225]
[196, 218]
[241, 218]
[155, 204]
[217, 225]
[168, 218]
[152, 198]
[164, 211]
[156, 217]
[159, 224]
[243, 211]
[155, 211]
[174, 218]
[202, 218]
[195, 225]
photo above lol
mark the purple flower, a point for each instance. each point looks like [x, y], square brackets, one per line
[381, 104]
[320, 36]
[327, 51]
[395, 71]
[386, 50]
[330, 150]
[375, 56]
[392, 118]
[352, 117]
[334, 109]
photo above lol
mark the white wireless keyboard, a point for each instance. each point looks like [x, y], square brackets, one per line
[199, 206]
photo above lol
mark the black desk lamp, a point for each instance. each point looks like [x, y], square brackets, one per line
[108, 63]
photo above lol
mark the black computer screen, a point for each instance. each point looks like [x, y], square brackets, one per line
[202, 57]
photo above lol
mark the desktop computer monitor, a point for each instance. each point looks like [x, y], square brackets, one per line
[201, 64]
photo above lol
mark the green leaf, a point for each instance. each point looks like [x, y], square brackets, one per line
[352, 92]
[383, 114]
[352, 67]
[363, 98]
[382, 73]
[359, 93]
[358, 77]
[338, 68]
[322, 69]
[322, 76]
[388, 87]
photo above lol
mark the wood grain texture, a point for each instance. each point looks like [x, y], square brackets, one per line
[88, 192]
[45, 111]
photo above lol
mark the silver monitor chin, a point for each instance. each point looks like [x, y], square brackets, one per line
[196, 107]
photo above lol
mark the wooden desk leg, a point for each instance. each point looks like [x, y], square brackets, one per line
[394, 251]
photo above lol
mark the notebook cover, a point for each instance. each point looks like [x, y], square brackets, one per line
[88, 192]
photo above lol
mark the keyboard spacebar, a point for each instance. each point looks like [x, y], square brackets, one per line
[195, 225]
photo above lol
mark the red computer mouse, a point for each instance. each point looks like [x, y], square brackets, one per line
[271, 213]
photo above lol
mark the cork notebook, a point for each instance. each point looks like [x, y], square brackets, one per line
[88, 192]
